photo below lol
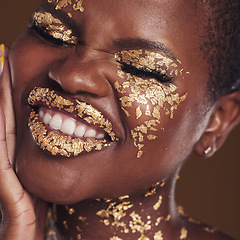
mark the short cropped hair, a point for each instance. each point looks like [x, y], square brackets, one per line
[221, 46]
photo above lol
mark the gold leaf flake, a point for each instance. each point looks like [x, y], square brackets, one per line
[151, 137]
[138, 112]
[157, 205]
[184, 233]
[158, 236]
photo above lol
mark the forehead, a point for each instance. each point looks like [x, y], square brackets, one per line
[175, 23]
[141, 16]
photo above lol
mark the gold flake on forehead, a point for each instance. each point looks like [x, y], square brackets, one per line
[54, 27]
[76, 4]
[152, 95]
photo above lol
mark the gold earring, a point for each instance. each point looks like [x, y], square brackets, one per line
[208, 150]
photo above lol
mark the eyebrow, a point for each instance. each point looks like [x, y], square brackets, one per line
[136, 43]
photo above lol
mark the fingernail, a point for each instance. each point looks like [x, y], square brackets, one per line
[2, 52]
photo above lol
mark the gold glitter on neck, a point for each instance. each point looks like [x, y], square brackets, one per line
[184, 233]
[209, 230]
[76, 4]
[54, 27]
[158, 236]
[158, 203]
[153, 190]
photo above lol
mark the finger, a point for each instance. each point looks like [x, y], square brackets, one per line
[6, 101]
[13, 198]
[2, 53]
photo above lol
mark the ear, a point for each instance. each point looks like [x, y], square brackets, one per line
[224, 117]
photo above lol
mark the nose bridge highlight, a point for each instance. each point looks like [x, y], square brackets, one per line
[77, 74]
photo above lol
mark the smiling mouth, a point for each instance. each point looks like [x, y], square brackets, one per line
[65, 127]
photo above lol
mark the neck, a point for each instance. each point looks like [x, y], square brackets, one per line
[146, 216]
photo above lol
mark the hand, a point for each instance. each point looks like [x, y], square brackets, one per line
[19, 209]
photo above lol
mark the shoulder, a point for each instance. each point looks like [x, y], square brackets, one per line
[199, 231]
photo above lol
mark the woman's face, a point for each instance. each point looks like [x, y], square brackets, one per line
[127, 76]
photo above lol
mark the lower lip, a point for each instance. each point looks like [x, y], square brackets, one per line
[58, 144]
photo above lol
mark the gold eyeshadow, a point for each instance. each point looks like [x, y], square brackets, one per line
[53, 27]
[76, 4]
[148, 96]
[150, 61]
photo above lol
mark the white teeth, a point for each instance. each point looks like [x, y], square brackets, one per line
[41, 114]
[68, 126]
[100, 136]
[47, 118]
[56, 122]
[80, 130]
[90, 133]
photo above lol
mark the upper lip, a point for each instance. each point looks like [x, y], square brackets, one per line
[45, 96]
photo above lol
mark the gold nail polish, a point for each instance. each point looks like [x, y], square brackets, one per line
[2, 49]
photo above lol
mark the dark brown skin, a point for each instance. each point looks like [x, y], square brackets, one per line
[88, 72]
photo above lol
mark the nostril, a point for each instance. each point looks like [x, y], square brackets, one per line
[76, 76]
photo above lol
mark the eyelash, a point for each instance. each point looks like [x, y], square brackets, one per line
[144, 72]
[43, 32]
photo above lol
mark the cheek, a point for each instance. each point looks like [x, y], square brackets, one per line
[145, 102]
[30, 58]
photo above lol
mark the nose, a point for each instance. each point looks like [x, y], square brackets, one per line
[80, 74]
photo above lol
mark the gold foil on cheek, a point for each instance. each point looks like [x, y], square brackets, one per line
[76, 4]
[54, 27]
[149, 95]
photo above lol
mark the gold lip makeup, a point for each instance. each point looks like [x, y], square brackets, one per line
[142, 92]
[57, 143]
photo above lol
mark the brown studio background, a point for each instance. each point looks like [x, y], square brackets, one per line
[209, 189]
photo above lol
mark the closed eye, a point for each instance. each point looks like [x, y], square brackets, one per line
[145, 73]
[55, 34]
[46, 35]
